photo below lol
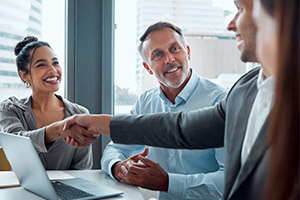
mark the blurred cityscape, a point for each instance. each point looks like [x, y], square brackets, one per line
[17, 19]
[43, 19]
[214, 54]
[213, 49]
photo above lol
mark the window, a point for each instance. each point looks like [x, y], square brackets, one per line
[43, 19]
[213, 49]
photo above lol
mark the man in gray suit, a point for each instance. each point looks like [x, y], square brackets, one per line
[238, 122]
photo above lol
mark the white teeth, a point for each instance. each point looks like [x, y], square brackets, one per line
[239, 39]
[172, 70]
[52, 79]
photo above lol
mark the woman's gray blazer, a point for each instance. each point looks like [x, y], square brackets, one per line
[16, 117]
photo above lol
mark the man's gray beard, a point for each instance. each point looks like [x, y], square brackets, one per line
[170, 85]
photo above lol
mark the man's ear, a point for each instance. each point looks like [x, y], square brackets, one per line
[188, 51]
[147, 68]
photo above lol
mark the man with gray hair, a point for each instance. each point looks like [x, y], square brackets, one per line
[177, 174]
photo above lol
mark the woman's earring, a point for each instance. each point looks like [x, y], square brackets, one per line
[27, 85]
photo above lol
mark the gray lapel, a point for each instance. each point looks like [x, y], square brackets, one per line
[256, 153]
[234, 149]
[29, 116]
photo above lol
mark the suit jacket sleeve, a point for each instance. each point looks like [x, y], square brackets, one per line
[200, 129]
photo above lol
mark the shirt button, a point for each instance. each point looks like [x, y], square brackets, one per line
[265, 105]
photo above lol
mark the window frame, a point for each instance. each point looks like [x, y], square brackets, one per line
[90, 60]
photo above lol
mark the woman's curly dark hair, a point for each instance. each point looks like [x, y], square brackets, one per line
[23, 52]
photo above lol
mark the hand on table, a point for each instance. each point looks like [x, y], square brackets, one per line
[146, 173]
[116, 169]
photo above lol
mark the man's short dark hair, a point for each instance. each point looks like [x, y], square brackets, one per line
[155, 27]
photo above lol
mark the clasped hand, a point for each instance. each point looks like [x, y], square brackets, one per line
[89, 126]
[140, 171]
[78, 136]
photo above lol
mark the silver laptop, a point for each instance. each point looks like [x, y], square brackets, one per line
[28, 168]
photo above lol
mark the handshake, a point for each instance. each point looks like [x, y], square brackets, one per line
[82, 130]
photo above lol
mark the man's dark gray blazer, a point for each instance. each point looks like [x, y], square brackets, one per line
[221, 125]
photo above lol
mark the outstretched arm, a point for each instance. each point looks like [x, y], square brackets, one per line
[11, 123]
[199, 129]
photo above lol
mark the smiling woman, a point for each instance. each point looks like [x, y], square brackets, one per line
[36, 62]
[38, 116]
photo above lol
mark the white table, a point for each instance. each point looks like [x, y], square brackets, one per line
[97, 176]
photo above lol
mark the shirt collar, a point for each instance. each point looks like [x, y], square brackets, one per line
[185, 93]
[265, 83]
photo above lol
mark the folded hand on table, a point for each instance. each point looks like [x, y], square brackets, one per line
[140, 171]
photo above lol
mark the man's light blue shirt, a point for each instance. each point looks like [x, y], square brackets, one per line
[193, 174]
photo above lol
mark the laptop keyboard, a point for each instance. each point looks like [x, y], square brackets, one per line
[64, 191]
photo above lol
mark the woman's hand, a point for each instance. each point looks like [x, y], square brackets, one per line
[78, 133]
